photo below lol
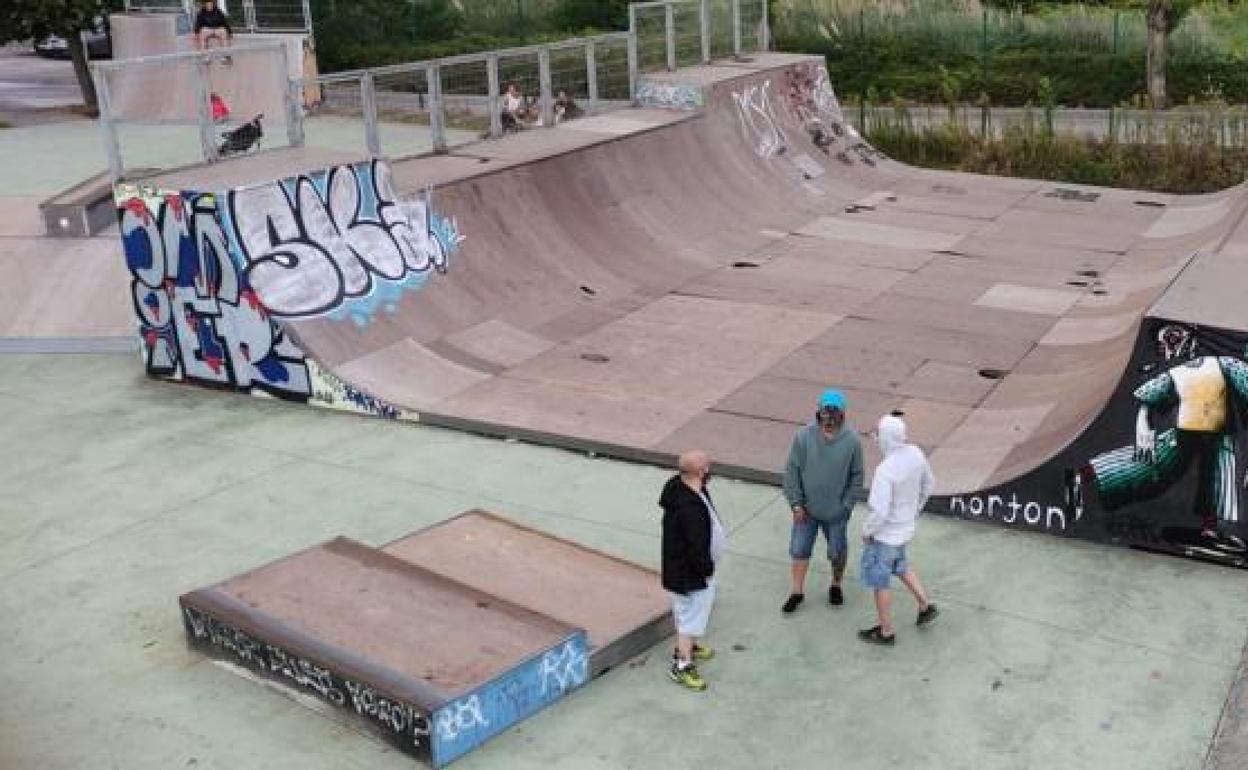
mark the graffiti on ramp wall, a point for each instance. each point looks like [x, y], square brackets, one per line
[812, 103]
[207, 302]
[1162, 467]
[337, 243]
[199, 317]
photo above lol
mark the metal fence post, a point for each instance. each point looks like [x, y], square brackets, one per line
[704, 29]
[669, 35]
[368, 104]
[495, 107]
[107, 127]
[736, 28]
[765, 43]
[591, 75]
[203, 108]
[307, 17]
[294, 112]
[546, 101]
[983, 48]
[249, 15]
[437, 109]
[632, 52]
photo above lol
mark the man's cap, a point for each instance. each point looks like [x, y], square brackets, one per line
[832, 399]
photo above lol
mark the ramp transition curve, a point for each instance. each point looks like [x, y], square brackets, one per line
[693, 271]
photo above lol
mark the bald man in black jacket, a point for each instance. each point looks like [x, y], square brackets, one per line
[693, 540]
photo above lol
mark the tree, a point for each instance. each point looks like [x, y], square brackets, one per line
[590, 14]
[22, 20]
[1164, 17]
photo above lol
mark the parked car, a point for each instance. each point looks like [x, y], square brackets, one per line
[99, 44]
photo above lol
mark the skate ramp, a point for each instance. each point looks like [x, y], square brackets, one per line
[695, 271]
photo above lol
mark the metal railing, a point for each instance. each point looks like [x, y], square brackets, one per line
[246, 15]
[678, 33]
[171, 109]
[461, 99]
[409, 109]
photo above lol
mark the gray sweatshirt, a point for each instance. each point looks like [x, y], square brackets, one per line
[824, 475]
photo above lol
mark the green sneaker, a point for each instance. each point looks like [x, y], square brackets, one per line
[687, 677]
[702, 654]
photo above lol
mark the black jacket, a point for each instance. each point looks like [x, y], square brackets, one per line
[687, 562]
[214, 19]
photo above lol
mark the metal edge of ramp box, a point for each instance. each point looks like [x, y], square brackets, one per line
[431, 665]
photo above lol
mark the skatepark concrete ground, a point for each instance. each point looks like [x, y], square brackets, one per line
[121, 492]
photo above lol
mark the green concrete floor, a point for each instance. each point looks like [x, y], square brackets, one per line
[120, 493]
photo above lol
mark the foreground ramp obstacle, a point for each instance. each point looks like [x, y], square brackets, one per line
[694, 271]
[433, 665]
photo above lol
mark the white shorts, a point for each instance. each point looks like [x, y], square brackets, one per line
[693, 610]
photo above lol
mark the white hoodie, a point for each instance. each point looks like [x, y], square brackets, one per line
[900, 488]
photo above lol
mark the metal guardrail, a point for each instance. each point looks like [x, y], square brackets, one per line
[255, 15]
[465, 98]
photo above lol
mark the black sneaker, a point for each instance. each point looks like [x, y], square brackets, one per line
[790, 604]
[927, 616]
[835, 596]
[874, 635]
[1211, 538]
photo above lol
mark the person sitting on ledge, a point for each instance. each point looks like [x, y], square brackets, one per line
[211, 23]
[566, 108]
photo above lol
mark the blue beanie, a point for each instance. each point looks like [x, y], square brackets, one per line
[832, 399]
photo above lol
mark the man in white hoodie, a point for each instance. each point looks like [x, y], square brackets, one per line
[899, 490]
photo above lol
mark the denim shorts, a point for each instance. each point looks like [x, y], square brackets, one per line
[880, 561]
[802, 539]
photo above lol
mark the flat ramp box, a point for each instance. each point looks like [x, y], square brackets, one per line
[434, 666]
[620, 605]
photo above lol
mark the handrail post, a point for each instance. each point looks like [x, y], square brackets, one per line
[704, 29]
[546, 101]
[632, 53]
[736, 28]
[368, 103]
[203, 108]
[591, 75]
[107, 127]
[764, 31]
[437, 108]
[294, 112]
[495, 106]
[669, 35]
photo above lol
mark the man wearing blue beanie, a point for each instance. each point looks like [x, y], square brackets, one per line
[822, 481]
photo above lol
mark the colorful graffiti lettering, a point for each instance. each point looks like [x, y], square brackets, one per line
[199, 317]
[337, 243]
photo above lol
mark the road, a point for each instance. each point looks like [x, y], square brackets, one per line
[30, 84]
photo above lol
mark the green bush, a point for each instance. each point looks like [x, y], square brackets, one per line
[1187, 159]
[1093, 57]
